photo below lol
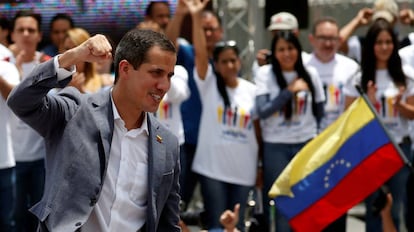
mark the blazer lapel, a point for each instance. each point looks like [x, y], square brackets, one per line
[103, 116]
[156, 164]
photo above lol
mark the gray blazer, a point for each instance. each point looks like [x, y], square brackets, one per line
[78, 131]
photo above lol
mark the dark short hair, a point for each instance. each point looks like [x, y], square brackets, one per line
[5, 23]
[28, 13]
[136, 43]
[62, 16]
[325, 19]
[209, 12]
[150, 6]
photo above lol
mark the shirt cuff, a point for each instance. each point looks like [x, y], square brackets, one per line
[63, 73]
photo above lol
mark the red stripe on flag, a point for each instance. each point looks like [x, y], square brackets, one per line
[352, 189]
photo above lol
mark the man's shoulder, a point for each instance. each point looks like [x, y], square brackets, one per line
[342, 59]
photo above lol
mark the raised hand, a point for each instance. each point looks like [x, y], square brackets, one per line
[95, 49]
[229, 219]
[181, 7]
[406, 16]
[364, 16]
[261, 56]
[195, 6]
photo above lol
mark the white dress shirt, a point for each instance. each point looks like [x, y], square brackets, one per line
[122, 204]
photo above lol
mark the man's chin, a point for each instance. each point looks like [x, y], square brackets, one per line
[153, 109]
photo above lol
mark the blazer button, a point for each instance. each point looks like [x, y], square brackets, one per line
[78, 224]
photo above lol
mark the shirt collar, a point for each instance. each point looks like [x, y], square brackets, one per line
[144, 125]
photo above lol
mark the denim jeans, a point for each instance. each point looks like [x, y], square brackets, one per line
[7, 198]
[276, 157]
[397, 186]
[410, 203]
[188, 179]
[219, 196]
[30, 179]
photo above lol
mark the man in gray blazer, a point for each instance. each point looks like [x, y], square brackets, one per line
[110, 165]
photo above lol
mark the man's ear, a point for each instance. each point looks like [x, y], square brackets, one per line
[124, 67]
[311, 38]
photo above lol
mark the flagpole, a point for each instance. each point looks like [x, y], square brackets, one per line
[371, 107]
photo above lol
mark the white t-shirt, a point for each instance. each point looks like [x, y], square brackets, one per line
[397, 125]
[334, 75]
[227, 147]
[28, 145]
[302, 125]
[407, 55]
[169, 112]
[354, 48]
[407, 58]
[10, 74]
[5, 53]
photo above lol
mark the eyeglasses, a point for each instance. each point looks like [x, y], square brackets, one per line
[228, 43]
[322, 38]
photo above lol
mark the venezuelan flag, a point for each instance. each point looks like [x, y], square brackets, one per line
[338, 169]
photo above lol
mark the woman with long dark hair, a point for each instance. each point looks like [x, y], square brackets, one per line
[227, 150]
[289, 101]
[390, 87]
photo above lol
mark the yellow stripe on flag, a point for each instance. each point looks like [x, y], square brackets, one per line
[319, 150]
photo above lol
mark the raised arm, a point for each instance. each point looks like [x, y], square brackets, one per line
[173, 29]
[42, 108]
[96, 48]
[362, 18]
[199, 40]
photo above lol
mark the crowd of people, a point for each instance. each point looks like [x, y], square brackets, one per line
[98, 137]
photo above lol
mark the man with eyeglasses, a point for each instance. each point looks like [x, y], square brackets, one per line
[335, 71]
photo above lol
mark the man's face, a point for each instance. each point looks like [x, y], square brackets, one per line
[26, 33]
[160, 14]
[147, 85]
[58, 31]
[325, 41]
[212, 30]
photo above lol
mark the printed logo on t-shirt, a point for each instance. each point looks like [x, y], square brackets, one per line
[164, 111]
[334, 98]
[299, 109]
[387, 111]
[236, 122]
[299, 104]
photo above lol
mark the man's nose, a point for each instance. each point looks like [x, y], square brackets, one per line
[164, 84]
